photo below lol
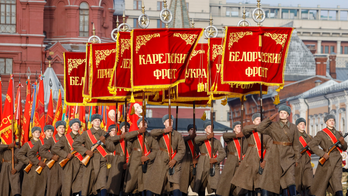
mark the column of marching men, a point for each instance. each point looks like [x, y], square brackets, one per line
[128, 164]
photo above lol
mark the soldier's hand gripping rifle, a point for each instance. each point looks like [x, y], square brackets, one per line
[28, 167]
[303, 150]
[63, 162]
[322, 160]
[86, 159]
[39, 169]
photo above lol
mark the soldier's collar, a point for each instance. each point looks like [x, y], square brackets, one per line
[282, 124]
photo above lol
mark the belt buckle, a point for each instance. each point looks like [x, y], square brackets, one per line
[284, 144]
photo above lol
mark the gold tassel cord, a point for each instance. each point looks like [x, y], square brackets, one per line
[224, 101]
[204, 116]
[276, 100]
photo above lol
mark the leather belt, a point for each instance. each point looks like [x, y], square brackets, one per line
[120, 154]
[282, 143]
[232, 153]
[137, 149]
[204, 154]
[253, 145]
[6, 161]
[163, 149]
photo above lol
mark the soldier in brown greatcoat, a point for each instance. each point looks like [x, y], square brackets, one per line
[304, 170]
[94, 175]
[73, 170]
[236, 148]
[204, 178]
[279, 173]
[10, 182]
[164, 182]
[247, 176]
[33, 152]
[54, 175]
[137, 181]
[33, 184]
[189, 161]
[328, 177]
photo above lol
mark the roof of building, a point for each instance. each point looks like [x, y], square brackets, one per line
[156, 123]
[51, 81]
[180, 14]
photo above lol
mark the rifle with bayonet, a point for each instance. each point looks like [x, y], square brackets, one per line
[86, 159]
[322, 160]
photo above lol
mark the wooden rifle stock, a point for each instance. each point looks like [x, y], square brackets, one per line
[28, 167]
[86, 159]
[50, 163]
[63, 162]
[39, 169]
[304, 149]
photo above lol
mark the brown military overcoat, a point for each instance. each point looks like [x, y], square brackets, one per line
[203, 179]
[187, 178]
[9, 184]
[54, 175]
[279, 172]
[73, 170]
[304, 171]
[328, 176]
[247, 175]
[163, 181]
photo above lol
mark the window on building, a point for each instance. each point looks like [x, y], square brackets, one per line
[346, 50]
[332, 49]
[160, 24]
[5, 66]
[8, 16]
[149, 113]
[84, 19]
[187, 6]
[326, 49]
[137, 4]
[229, 116]
[342, 52]
[135, 23]
[159, 5]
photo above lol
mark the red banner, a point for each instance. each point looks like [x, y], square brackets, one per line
[26, 118]
[6, 128]
[161, 55]
[74, 70]
[59, 112]
[39, 113]
[255, 55]
[195, 86]
[215, 75]
[49, 117]
[121, 73]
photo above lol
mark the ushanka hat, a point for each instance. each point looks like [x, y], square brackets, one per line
[60, 123]
[73, 121]
[166, 117]
[285, 108]
[35, 129]
[96, 116]
[298, 121]
[254, 116]
[190, 126]
[235, 124]
[48, 127]
[329, 116]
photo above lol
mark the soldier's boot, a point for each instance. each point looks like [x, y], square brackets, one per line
[202, 193]
[264, 192]
[102, 192]
[339, 193]
[176, 192]
[285, 192]
[292, 189]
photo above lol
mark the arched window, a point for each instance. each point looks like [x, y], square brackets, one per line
[84, 19]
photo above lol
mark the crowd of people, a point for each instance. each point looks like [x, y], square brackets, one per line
[268, 157]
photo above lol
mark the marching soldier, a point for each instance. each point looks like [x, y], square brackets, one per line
[206, 176]
[235, 149]
[118, 164]
[137, 181]
[279, 173]
[33, 184]
[329, 175]
[73, 169]
[166, 182]
[54, 183]
[94, 174]
[10, 182]
[189, 161]
[304, 170]
[110, 159]
[247, 176]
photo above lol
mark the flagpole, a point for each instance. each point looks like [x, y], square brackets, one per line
[241, 128]
[13, 132]
[212, 139]
[261, 120]
[143, 122]
[176, 118]
[194, 132]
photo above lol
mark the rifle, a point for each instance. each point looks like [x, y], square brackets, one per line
[63, 162]
[171, 170]
[50, 163]
[39, 169]
[194, 171]
[303, 150]
[322, 160]
[212, 166]
[28, 167]
[144, 166]
[86, 159]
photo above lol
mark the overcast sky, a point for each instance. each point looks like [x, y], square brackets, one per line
[304, 3]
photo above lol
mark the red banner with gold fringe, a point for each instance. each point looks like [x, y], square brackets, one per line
[161, 56]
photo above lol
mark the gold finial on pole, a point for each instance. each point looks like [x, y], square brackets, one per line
[142, 7]
[258, 3]
[165, 7]
[117, 22]
[49, 63]
[124, 16]
[211, 20]
[244, 16]
[193, 23]
[93, 28]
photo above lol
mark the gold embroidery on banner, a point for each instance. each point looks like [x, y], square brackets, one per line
[125, 45]
[188, 38]
[102, 54]
[278, 38]
[195, 52]
[217, 50]
[143, 39]
[74, 63]
[235, 37]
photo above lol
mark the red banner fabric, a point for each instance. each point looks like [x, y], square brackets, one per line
[255, 55]
[39, 113]
[49, 116]
[26, 118]
[6, 128]
[161, 55]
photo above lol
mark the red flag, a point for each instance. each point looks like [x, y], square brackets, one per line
[26, 118]
[6, 123]
[39, 114]
[0, 99]
[18, 112]
[59, 112]
[82, 117]
[133, 115]
[49, 117]
[120, 118]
